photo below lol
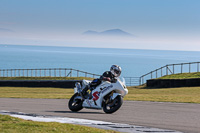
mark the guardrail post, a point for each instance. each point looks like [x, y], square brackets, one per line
[77, 73]
[156, 73]
[70, 72]
[189, 67]
[166, 69]
[65, 72]
[7, 72]
[161, 71]
[151, 75]
[60, 72]
[54, 72]
[181, 68]
[197, 67]
[49, 72]
[86, 74]
[27, 72]
[173, 68]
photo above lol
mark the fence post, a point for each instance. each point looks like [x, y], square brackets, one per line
[198, 67]
[77, 73]
[54, 72]
[0, 73]
[173, 68]
[189, 67]
[35, 72]
[65, 72]
[49, 72]
[181, 68]
[40, 72]
[45, 72]
[151, 75]
[166, 69]
[27, 72]
[156, 73]
[60, 72]
[23, 72]
[161, 71]
[86, 74]
[70, 72]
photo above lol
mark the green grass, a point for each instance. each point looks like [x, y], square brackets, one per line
[182, 94]
[31, 92]
[45, 78]
[182, 76]
[14, 125]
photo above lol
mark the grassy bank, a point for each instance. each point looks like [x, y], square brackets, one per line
[182, 76]
[182, 94]
[14, 125]
[45, 78]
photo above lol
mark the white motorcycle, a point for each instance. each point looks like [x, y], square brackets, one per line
[107, 95]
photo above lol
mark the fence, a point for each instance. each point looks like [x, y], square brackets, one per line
[50, 72]
[132, 81]
[171, 69]
[57, 72]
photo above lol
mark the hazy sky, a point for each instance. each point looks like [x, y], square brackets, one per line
[156, 24]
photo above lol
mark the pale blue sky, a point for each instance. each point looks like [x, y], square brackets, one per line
[157, 24]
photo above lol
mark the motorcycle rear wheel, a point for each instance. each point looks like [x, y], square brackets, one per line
[75, 104]
[113, 106]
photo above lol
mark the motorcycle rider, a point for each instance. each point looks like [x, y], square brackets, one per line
[115, 71]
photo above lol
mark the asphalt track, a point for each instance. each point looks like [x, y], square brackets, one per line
[184, 117]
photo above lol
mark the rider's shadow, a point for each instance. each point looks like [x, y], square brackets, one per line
[76, 112]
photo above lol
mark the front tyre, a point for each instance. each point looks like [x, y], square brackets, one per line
[75, 104]
[112, 106]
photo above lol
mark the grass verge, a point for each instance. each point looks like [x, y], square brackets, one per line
[182, 94]
[10, 124]
[182, 76]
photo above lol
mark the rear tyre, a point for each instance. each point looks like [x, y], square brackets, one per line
[112, 106]
[75, 104]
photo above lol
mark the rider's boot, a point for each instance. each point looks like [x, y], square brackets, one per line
[84, 91]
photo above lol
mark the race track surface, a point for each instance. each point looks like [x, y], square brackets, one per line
[183, 117]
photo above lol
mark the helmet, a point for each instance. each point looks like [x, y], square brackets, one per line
[116, 70]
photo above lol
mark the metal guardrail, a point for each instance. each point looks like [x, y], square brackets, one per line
[57, 72]
[132, 81]
[45, 72]
[171, 69]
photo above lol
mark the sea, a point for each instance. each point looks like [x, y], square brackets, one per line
[134, 62]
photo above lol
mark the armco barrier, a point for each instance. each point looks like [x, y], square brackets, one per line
[167, 83]
[39, 83]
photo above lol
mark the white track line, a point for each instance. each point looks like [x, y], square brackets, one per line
[92, 123]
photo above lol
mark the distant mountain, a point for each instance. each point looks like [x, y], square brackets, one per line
[112, 32]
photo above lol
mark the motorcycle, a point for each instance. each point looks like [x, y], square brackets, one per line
[107, 95]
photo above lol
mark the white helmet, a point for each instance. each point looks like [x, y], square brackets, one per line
[116, 70]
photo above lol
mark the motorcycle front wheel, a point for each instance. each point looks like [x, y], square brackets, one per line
[112, 106]
[75, 104]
